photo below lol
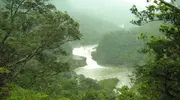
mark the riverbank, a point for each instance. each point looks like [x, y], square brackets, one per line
[98, 72]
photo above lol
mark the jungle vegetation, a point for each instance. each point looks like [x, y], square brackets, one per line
[34, 32]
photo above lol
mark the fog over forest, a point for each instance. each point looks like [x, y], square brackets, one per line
[114, 11]
[89, 49]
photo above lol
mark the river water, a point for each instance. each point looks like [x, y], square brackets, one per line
[95, 71]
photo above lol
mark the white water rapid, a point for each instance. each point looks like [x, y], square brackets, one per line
[95, 71]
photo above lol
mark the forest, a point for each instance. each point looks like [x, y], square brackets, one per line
[71, 50]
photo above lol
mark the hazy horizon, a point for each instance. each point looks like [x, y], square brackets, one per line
[116, 11]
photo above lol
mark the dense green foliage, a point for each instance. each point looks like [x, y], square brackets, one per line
[65, 85]
[159, 78]
[35, 65]
[124, 50]
[33, 61]
[126, 46]
[28, 29]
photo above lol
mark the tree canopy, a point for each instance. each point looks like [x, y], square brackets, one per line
[159, 78]
[34, 32]
[27, 29]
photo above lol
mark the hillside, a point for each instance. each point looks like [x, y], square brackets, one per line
[92, 27]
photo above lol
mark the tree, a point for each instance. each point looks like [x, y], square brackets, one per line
[159, 78]
[124, 50]
[28, 28]
[127, 94]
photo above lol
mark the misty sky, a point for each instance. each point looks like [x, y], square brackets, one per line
[115, 11]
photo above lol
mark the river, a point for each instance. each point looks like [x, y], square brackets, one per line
[95, 71]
